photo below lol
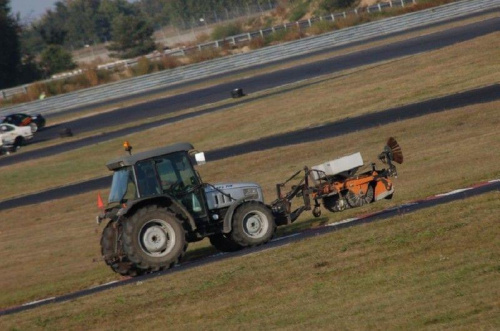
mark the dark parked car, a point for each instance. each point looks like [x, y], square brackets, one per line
[36, 122]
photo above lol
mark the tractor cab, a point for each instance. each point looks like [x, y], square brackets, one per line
[164, 171]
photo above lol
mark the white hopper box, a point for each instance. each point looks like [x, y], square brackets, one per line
[344, 166]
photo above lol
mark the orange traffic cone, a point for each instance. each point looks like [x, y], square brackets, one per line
[100, 204]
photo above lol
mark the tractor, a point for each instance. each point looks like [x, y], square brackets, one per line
[158, 204]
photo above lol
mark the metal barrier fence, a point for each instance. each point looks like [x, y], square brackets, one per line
[269, 54]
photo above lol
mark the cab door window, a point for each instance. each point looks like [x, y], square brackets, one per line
[146, 179]
[167, 174]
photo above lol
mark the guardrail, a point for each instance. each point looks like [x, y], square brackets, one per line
[269, 54]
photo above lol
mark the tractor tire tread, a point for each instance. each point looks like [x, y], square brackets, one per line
[108, 252]
[132, 252]
[237, 234]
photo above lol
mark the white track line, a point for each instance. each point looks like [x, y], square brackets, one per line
[38, 301]
[454, 192]
[103, 285]
[285, 237]
[349, 220]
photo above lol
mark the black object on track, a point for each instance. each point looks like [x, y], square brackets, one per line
[384, 214]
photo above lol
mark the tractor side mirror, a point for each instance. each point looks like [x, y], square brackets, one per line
[200, 158]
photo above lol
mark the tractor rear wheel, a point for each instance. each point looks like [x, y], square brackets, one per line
[110, 250]
[154, 239]
[253, 224]
[223, 243]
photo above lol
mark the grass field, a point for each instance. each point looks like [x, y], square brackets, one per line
[410, 272]
[436, 269]
[61, 246]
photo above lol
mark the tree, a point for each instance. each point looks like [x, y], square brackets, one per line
[108, 10]
[31, 41]
[10, 57]
[56, 59]
[155, 10]
[81, 23]
[132, 36]
[52, 26]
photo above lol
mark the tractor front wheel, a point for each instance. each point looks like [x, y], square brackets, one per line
[253, 224]
[153, 239]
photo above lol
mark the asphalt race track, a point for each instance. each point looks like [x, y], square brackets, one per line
[410, 207]
[485, 94]
[170, 105]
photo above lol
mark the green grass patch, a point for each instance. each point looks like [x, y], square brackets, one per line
[65, 230]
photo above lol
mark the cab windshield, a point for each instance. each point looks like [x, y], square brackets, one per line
[123, 186]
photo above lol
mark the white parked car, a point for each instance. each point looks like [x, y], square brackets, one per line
[15, 136]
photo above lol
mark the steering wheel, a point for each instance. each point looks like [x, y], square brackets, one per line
[186, 189]
[180, 188]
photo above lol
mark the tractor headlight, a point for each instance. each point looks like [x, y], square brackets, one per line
[251, 193]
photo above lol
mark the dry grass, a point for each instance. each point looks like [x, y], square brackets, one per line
[53, 248]
[404, 81]
[408, 272]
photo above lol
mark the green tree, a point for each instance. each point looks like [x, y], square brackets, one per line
[31, 44]
[10, 57]
[31, 41]
[155, 10]
[30, 70]
[56, 59]
[132, 36]
[108, 10]
[81, 23]
[52, 27]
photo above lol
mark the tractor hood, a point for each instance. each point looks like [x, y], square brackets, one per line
[223, 195]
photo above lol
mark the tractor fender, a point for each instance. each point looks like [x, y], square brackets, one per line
[229, 214]
[164, 201]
